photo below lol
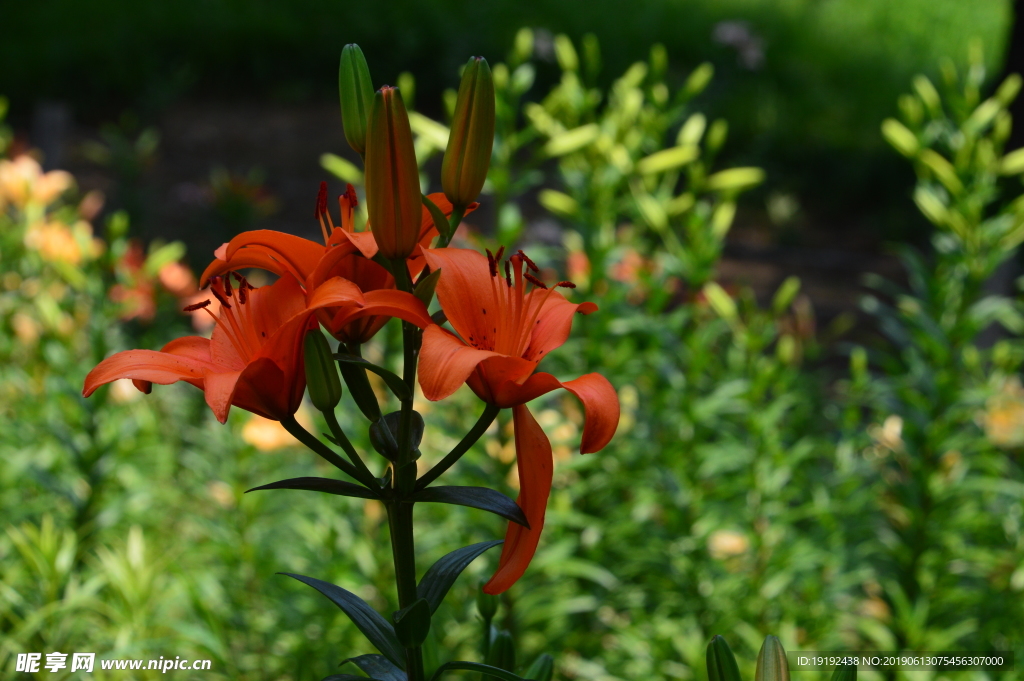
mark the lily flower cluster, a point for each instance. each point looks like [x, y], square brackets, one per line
[496, 322]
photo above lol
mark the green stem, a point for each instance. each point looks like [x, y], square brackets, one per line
[453, 224]
[482, 424]
[404, 553]
[365, 475]
[325, 452]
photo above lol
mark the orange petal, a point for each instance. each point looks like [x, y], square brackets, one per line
[276, 252]
[601, 410]
[333, 261]
[533, 459]
[464, 290]
[446, 362]
[497, 380]
[147, 365]
[336, 292]
[270, 390]
[553, 323]
[220, 389]
[393, 303]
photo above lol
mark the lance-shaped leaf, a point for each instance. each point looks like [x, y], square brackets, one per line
[475, 667]
[378, 667]
[339, 487]
[483, 498]
[396, 384]
[374, 627]
[442, 574]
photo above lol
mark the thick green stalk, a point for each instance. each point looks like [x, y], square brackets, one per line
[404, 552]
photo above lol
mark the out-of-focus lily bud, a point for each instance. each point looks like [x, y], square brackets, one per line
[503, 651]
[392, 177]
[356, 92]
[472, 136]
[771, 661]
[721, 662]
[321, 375]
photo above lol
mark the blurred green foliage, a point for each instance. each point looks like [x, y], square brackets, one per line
[748, 492]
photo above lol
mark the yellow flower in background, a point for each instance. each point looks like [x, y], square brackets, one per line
[724, 544]
[23, 182]
[1003, 418]
[267, 436]
[59, 242]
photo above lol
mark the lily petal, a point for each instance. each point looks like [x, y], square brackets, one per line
[600, 407]
[536, 468]
[464, 290]
[274, 251]
[147, 365]
[553, 323]
[446, 362]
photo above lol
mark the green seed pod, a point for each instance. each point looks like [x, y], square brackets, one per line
[771, 661]
[468, 155]
[356, 92]
[321, 375]
[721, 662]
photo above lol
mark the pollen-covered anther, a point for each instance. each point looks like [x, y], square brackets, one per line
[197, 306]
[565, 284]
[321, 201]
[534, 280]
[508, 273]
[215, 287]
[227, 286]
[492, 263]
[529, 263]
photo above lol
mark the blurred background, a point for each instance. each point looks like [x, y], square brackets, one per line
[814, 326]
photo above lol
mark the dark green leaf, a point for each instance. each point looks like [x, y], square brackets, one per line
[374, 627]
[378, 667]
[425, 288]
[349, 677]
[359, 387]
[442, 574]
[483, 498]
[476, 667]
[392, 379]
[339, 487]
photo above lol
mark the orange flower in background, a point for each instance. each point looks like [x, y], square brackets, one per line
[22, 181]
[503, 332]
[254, 359]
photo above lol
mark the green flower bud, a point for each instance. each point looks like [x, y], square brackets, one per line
[321, 375]
[542, 669]
[845, 673]
[486, 604]
[392, 176]
[721, 662]
[771, 661]
[356, 92]
[503, 652]
[472, 136]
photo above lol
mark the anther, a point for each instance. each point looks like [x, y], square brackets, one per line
[529, 263]
[242, 295]
[227, 286]
[197, 306]
[491, 263]
[566, 284]
[321, 201]
[508, 273]
[350, 194]
[220, 296]
[534, 280]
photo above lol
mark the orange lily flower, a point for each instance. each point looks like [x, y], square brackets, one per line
[503, 332]
[254, 359]
[347, 254]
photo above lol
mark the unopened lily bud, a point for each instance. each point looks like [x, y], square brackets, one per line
[721, 662]
[771, 661]
[502, 653]
[356, 92]
[321, 375]
[472, 136]
[392, 177]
